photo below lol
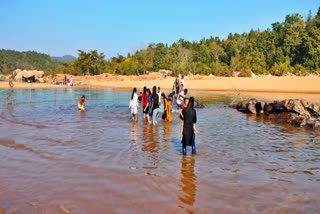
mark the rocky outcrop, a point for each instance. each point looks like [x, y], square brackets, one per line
[297, 112]
[18, 74]
[3, 78]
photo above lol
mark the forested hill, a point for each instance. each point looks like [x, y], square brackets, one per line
[30, 60]
[291, 46]
[65, 58]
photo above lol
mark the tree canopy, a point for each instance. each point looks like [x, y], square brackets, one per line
[289, 46]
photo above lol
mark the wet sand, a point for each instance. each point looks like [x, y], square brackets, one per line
[269, 88]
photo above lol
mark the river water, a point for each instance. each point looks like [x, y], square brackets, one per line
[57, 160]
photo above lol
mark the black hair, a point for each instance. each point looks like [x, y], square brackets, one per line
[191, 102]
[133, 91]
[154, 90]
[83, 97]
[163, 95]
[144, 90]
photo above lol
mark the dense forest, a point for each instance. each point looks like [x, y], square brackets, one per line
[292, 46]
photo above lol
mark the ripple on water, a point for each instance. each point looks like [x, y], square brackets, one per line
[98, 161]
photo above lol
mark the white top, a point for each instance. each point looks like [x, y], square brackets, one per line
[182, 82]
[134, 102]
[181, 97]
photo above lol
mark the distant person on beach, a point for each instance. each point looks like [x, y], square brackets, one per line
[187, 131]
[181, 88]
[11, 82]
[65, 80]
[70, 82]
[134, 105]
[155, 105]
[167, 108]
[176, 85]
[81, 103]
[182, 81]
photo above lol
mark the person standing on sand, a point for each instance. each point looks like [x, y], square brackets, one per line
[176, 85]
[11, 82]
[134, 105]
[182, 81]
[81, 103]
[187, 131]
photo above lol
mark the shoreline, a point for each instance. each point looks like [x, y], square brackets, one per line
[262, 87]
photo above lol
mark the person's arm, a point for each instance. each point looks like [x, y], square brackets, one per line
[195, 130]
[181, 130]
[152, 102]
[146, 106]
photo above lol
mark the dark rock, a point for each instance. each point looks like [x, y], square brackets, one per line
[198, 104]
[297, 112]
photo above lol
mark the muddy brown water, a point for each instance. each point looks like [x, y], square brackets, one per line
[57, 160]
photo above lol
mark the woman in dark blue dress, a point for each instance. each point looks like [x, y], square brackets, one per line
[187, 129]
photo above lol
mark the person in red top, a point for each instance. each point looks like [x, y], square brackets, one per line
[144, 101]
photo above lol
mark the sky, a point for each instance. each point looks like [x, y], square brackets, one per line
[60, 27]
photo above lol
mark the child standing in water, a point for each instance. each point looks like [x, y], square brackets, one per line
[81, 103]
[134, 105]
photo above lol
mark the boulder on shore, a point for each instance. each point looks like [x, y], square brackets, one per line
[18, 74]
[297, 112]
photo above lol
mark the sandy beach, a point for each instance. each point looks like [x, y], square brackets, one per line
[270, 88]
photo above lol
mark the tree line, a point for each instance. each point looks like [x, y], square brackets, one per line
[291, 46]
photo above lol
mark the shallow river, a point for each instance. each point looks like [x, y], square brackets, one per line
[57, 160]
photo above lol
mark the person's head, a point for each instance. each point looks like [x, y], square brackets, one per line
[191, 102]
[163, 96]
[186, 101]
[144, 89]
[185, 91]
[182, 77]
[133, 91]
[83, 97]
[154, 90]
[173, 92]
[148, 90]
[158, 89]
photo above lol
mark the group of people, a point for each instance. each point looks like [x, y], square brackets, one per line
[68, 82]
[151, 102]
[151, 108]
[150, 105]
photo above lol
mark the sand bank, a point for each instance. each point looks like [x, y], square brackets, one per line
[271, 88]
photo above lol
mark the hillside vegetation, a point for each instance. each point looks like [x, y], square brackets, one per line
[291, 46]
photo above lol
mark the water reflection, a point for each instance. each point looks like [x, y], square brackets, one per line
[134, 137]
[151, 145]
[188, 181]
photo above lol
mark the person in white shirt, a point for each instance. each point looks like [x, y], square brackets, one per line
[70, 82]
[182, 81]
[182, 95]
[134, 105]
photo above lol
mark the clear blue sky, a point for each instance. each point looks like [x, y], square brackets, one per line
[59, 27]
